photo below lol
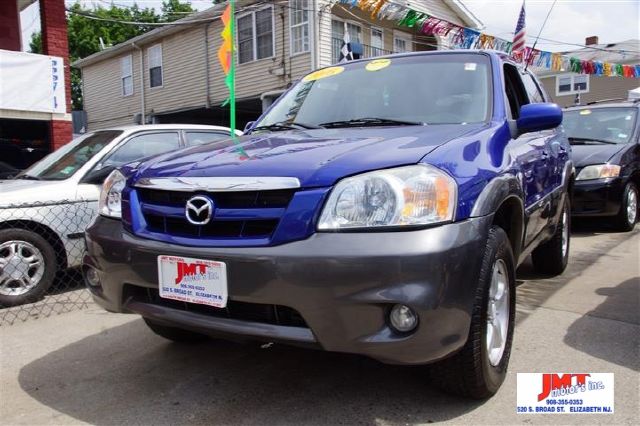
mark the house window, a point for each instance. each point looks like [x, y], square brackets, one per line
[337, 34]
[299, 22]
[126, 75]
[377, 42]
[571, 84]
[154, 56]
[402, 43]
[255, 35]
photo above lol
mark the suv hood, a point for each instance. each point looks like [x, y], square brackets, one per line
[584, 155]
[22, 191]
[316, 157]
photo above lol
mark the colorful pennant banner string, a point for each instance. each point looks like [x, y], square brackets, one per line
[468, 38]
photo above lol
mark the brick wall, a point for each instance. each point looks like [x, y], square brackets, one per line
[55, 43]
[9, 25]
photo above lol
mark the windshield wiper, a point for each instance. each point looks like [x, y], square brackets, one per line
[371, 121]
[28, 177]
[285, 125]
[581, 141]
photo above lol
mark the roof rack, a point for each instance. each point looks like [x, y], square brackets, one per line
[614, 100]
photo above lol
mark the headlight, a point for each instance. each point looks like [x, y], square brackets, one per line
[110, 203]
[599, 171]
[411, 195]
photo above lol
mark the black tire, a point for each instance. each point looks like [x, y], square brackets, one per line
[551, 258]
[622, 221]
[469, 372]
[175, 334]
[10, 285]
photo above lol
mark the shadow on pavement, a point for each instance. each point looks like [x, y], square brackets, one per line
[534, 289]
[128, 375]
[613, 341]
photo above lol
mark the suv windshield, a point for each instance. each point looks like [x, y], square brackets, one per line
[64, 162]
[407, 90]
[607, 125]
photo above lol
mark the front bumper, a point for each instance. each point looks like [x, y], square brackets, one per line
[342, 284]
[598, 197]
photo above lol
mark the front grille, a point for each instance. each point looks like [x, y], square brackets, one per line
[237, 200]
[242, 214]
[256, 312]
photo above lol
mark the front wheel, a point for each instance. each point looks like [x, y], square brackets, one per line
[552, 257]
[480, 367]
[27, 267]
[628, 215]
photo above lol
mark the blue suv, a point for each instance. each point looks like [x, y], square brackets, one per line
[380, 207]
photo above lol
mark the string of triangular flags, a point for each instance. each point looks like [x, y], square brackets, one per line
[467, 38]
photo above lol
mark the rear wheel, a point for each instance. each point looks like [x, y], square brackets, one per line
[628, 215]
[175, 334]
[480, 367]
[27, 267]
[551, 258]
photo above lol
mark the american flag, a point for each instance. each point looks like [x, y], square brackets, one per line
[520, 35]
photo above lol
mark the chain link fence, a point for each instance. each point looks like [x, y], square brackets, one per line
[41, 250]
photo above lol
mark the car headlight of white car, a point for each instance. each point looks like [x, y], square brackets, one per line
[599, 171]
[402, 196]
[110, 203]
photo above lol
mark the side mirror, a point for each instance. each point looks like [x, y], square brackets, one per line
[97, 176]
[248, 126]
[536, 117]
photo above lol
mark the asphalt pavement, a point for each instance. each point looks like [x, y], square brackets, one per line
[94, 367]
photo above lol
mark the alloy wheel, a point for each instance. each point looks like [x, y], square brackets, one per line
[497, 312]
[565, 232]
[632, 206]
[21, 267]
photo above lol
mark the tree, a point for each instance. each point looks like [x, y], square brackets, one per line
[85, 33]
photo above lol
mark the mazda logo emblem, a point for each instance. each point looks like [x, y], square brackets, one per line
[199, 210]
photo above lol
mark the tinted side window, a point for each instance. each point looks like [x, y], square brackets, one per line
[516, 93]
[199, 138]
[143, 146]
[535, 95]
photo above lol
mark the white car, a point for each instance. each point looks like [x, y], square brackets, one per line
[46, 208]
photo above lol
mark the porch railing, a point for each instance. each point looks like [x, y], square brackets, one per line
[367, 50]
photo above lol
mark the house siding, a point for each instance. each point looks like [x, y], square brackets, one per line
[600, 88]
[102, 91]
[183, 72]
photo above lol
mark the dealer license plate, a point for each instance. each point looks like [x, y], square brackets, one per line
[193, 280]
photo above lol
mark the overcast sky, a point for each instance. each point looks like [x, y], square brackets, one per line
[570, 20]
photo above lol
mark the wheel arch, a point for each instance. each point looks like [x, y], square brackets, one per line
[503, 198]
[45, 232]
[510, 217]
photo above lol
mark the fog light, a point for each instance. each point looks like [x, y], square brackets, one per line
[91, 275]
[402, 318]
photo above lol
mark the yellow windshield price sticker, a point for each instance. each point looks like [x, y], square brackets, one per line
[585, 112]
[378, 64]
[323, 73]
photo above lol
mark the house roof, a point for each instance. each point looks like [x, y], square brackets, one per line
[624, 52]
